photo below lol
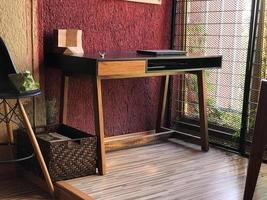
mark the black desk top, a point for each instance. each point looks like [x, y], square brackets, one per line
[127, 55]
[88, 62]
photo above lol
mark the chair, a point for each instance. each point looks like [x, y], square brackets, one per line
[7, 92]
[258, 143]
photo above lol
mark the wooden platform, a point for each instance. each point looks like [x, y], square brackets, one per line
[171, 171]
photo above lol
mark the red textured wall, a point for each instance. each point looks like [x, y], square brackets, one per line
[129, 104]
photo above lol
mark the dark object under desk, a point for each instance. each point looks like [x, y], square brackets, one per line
[130, 65]
[68, 153]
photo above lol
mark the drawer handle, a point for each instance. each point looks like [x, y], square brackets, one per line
[157, 67]
[182, 63]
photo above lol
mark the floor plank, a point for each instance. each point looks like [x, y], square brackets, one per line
[171, 172]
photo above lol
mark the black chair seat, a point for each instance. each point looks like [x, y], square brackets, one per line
[14, 94]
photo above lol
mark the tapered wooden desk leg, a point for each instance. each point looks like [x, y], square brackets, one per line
[8, 124]
[36, 148]
[99, 126]
[162, 102]
[64, 99]
[203, 110]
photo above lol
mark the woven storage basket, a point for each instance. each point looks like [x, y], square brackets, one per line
[70, 157]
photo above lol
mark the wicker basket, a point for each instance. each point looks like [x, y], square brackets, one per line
[72, 156]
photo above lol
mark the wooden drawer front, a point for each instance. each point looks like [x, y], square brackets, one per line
[121, 68]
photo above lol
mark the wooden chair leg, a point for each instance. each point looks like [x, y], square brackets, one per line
[253, 169]
[8, 124]
[36, 148]
[258, 144]
[203, 110]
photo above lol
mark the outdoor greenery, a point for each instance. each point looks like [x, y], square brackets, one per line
[218, 116]
[225, 88]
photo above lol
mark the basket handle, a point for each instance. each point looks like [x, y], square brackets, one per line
[75, 142]
[72, 144]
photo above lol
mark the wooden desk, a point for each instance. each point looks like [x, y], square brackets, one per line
[131, 65]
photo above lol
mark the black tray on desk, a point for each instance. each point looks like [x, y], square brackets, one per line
[165, 52]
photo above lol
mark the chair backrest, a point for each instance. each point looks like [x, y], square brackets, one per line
[258, 143]
[6, 65]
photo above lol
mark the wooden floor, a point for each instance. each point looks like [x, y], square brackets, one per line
[169, 171]
[160, 172]
[12, 185]
[20, 189]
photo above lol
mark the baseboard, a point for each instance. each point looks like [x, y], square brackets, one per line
[132, 140]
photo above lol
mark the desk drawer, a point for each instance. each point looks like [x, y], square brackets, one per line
[121, 68]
